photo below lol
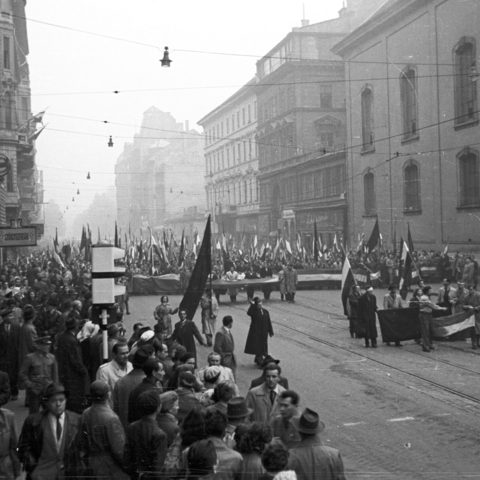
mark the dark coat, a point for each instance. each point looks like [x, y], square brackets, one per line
[30, 445]
[145, 449]
[187, 401]
[367, 307]
[260, 329]
[4, 388]
[9, 345]
[169, 424]
[148, 383]
[225, 346]
[184, 335]
[71, 371]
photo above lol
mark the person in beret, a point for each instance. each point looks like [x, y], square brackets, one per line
[9, 345]
[309, 459]
[47, 442]
[101, 440]
[146, 445]
[167, 418]
[37, 371]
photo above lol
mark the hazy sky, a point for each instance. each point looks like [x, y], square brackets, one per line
[74, 74]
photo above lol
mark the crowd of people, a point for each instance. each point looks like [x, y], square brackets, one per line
[150, 411]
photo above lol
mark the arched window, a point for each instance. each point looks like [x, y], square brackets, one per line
[368, 137]
[369, 194]
[465, 85]
[408, 94]
[411, 177]
[469, 178]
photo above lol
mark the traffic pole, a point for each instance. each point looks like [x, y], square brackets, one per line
[105, 334]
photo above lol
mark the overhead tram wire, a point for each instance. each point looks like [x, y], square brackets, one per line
[207, 52]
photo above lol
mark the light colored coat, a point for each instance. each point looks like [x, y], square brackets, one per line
[258, 399]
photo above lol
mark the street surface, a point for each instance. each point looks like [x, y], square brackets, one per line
[394, 413]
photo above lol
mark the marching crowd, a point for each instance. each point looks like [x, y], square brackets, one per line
[150, 411]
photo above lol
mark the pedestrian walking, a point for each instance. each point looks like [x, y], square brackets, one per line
[162, 315]
[209, 306]
[291, 281]
[225, 344]
[185, 332]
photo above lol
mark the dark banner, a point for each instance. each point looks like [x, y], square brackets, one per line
[399, 324]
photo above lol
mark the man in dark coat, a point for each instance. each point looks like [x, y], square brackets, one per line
[4, 389]
[9, 346]
[46, 446]
[185, 331]
[367, 308]
[225, 345]
[260, 329]
[146, 445]
[72, 373]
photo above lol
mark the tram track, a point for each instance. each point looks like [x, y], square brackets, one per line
[432, 383]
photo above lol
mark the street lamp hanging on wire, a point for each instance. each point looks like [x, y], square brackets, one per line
[166, 59]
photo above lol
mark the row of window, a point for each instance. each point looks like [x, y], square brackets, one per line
[231, 155]
[465, 96]
[235, 193]
[238, 120]
[468, 164]
[277, 145]
[323, 183]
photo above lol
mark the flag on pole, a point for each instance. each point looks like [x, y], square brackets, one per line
[445, 251]
[409, 239]
[83, 240]
[288, 247]
[198, 280]
[117, 241]
[347, 281]
[374, 239]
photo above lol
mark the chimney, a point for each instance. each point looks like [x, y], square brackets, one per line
[187, 125]
[305, 23]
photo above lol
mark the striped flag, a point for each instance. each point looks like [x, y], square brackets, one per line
[347, 281]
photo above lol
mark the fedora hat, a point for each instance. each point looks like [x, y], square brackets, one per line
[308, 423]
[28, 312]
[269, 359]
[53, 389]
[237, 408]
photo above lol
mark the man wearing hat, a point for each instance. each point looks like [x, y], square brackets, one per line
[367, 308]
[309, 459]
[392, 300]
[71, 370]
[9, 344]
[102, 439]
[237, 413]
[37, 371]
[46, 446]
[117, 368]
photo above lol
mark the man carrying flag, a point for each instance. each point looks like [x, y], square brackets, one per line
[425, 316]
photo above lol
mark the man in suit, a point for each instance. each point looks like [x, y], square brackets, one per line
[446, 295]
[309, 459]
[263, 399]
[9, 346]
[146, 444]
[225, 345]
[185, 331]
[367, 308]
[46, 446]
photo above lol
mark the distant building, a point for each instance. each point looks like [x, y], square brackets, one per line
[21, 190]
[231, 159]
[413, 123]
[159, 176]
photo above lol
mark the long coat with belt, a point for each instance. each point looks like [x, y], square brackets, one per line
[72, 373]
[367, 307]
[37, 448]
[260, 329]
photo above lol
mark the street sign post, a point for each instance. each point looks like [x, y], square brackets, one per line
[18, 237]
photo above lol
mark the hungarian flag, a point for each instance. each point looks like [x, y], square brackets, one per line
[374, 239]
[83, 240]
[317, 245]
[201, 271]
[446, 326]
[347, 281]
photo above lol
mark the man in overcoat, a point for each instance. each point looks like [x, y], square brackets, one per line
[367, 308]
[46, 446]
[291, 281]
[72, 373]
[260, 329]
